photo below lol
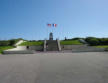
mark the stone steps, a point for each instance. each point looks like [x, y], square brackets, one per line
[52, 45]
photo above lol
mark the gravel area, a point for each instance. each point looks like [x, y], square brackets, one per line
[82, 67]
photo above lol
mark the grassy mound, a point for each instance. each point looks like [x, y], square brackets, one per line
[33, 43]
[2, 48]
[71, 42]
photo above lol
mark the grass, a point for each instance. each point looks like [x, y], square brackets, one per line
[71, 42]
[2, 48]
[102, 46]
[28, 43]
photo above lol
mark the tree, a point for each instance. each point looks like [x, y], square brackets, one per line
[12, 42]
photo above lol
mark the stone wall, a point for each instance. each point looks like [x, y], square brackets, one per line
[21, 47]
[37, 48]
[18, 52]
[81, 48]
[70, 47]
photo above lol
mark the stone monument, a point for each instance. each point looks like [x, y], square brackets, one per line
[51, 36]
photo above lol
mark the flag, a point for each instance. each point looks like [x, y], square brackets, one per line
[54, 25]
[49, 25]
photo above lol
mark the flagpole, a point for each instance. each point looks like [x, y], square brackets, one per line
[49, 25]
[47, 33]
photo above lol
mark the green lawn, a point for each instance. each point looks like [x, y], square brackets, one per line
[2, 48]
[71, 42]
[31, 43]
[102, 46]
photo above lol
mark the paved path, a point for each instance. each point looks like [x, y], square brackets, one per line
[88, 67]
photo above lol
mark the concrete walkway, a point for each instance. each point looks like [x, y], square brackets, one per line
[19, 42]
[89, 67]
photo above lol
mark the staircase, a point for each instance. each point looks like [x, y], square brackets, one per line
[52, 45]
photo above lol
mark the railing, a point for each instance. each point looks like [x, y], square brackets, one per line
[59, 46]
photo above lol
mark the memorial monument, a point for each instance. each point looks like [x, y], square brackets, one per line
[51, 36]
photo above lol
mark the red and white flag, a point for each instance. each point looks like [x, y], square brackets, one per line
[49, 25]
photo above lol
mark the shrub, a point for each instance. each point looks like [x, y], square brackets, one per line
[92, 41]
[97, 41]
[103, 41]
[12, 42]
[4, 43]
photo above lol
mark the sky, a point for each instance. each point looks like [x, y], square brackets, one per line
[74, 18]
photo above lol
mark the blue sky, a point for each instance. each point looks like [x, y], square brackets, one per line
[75, 18]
